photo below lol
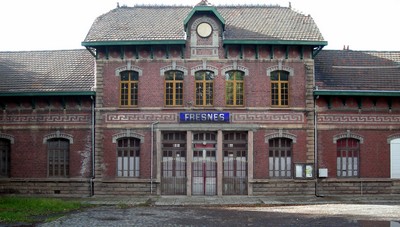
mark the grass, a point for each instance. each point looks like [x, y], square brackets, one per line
[30, 210]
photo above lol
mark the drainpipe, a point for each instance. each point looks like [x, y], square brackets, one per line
[93, 142]
[151, 156]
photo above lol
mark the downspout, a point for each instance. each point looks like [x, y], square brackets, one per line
[151, 156]
[93, 143]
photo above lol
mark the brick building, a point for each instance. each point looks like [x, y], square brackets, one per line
[203, 100]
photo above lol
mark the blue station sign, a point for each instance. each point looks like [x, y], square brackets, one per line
[200, 117]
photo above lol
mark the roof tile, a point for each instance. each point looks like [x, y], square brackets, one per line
[166, 23]
[357, 70]
[44, 71]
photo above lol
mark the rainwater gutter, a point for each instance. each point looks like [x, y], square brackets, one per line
[152, 156]
[93, 150]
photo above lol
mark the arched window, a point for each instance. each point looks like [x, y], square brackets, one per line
[128, 157]
[204, 88]
[279, 88]
[174, 88]
[280, 158]
[234, 88]
[58, 157]
[348, 157]
[5, 157]
[129, 88]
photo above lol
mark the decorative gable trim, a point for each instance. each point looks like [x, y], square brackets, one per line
[59, 134]
[174, 67]
[281, 134]
[127, 133]
[7, 137]
[348, 134]
[128, 67]
[205, 10]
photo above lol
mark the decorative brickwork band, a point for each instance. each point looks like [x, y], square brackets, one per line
[7, 137]
[127, 133]
[128, 66]
[280, 134]
[268, 117]
[348, 134]
[280, 67]
[58, 134]
[358, 119]
[204, 66]
[141, 117]
[393, 137]
[235, 66]
[34, 119]
[174, 66]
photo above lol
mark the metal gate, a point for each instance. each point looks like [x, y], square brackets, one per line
[204, 164]
[234, 180]
[204, 177]
[173, 164]
[235, 175]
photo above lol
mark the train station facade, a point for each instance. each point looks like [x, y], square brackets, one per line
[203, 100]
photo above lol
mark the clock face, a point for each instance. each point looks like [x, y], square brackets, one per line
[204, 30]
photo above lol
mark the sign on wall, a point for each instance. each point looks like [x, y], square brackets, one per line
[203, 117]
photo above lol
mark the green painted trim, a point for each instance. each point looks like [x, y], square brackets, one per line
[356, 93]
[257, 51]
[271, 52]
[276, 42]
[132, 42]
[204, 9]
[50, 93]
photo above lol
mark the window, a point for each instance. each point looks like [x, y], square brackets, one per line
[128, 157]
[280, 158]
[234, 88]
[58, 157]
[348, 151]
[173, 88]
[4, 158]
[204, 88]
[129, 88]
[280, 88]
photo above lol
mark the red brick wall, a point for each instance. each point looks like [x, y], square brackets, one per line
[257, 83]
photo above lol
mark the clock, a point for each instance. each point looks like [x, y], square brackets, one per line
[204, 30]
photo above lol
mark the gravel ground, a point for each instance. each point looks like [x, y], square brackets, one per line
[301, 215]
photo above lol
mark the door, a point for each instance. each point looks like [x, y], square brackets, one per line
[395, 159]
[235, 173]
[235, 163]
[204, 164]
[173, 164]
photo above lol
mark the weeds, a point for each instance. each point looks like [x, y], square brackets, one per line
[30, 210]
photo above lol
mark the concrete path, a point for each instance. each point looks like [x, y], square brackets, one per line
[241, 200]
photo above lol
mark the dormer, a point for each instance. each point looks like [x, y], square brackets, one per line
[204, 27]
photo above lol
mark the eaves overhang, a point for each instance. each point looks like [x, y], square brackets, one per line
[275, 42]
[376, 93]
[50, 93]
[134, 42]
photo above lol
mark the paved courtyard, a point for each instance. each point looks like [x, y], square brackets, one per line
[295, 215]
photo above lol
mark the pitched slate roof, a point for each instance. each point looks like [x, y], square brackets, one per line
[358, 70]
[46, 71]
[167, 23]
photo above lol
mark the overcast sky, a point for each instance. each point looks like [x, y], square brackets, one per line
[63, 24]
